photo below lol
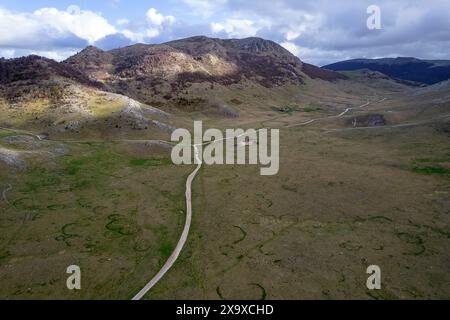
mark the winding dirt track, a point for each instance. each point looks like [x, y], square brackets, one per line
[8, 188]
[174, 256]
[24, 132]
[169, 263]
[330, 117]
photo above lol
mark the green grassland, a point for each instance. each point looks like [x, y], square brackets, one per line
[97, 206]
[339, 204]
[344, 199]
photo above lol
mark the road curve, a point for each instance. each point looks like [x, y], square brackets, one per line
[174, 256]
[8, 188]
[338, 116]
[24, 132]
[400, 125]
[169, 263]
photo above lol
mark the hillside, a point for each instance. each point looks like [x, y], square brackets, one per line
[412, 69]
[159, 73]
[37, 77]
[104, 93]
[88, 178]
[43, 95]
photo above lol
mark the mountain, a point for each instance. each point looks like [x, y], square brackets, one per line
[412, 69]
[33, 77]
[103, 91]
[92, 62]
[438, 94]
[158, 73]
[35, 69]
[37, 92]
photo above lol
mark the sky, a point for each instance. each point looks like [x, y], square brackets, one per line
[317, 31]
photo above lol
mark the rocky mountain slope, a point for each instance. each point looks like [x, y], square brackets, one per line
[42, 94]
[160, 72]
[38, 77]
[412, 69]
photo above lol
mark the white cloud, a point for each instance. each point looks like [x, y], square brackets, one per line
[152, 32]
[7, 53]
[57, 55]
[133, 36]
[84, 24]
[122, 22]
[319, 31]
[239, 27]
[205, 8]
[157, 19]
[48, 25]
[155, 24]
[292, 48]
[315, 55]
[303, 22]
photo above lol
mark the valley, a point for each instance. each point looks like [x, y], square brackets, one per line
[87, 179]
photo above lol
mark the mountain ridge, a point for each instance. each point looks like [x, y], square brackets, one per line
[158, 73]
[405, 68]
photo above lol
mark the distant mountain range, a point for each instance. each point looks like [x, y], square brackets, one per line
[412, 69]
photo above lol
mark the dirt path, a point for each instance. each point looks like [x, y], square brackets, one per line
[24, 132]
[169, 263]
[330, 117]
[183, 238]
[8, 188]
[174, 256]
[400, 125]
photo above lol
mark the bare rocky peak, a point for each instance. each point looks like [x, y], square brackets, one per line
[92, 62]
[259, 45]
[197, 59]
[160, 72]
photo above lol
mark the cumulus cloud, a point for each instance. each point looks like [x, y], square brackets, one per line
[292, 48]
[143, 31]
[239, 27]
[205, 8]
[57, 55]
[321, 31]
[58, 34]
[318, 31]
[157, 22]
[49, 26]
[122, 22]
[157, 19]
